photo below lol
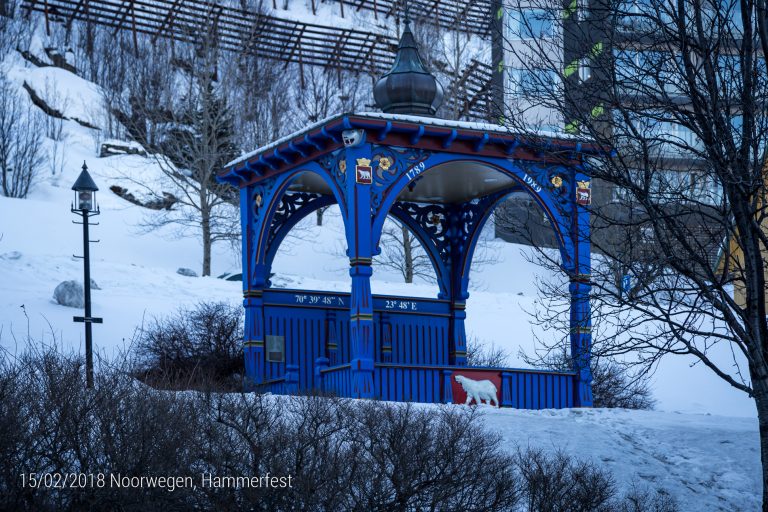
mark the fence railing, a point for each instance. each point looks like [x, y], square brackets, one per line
[336, 380]
[517, 388]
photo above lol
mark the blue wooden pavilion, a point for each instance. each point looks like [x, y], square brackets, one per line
[442, 179]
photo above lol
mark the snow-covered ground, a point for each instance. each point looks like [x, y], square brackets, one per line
[706, 462]
[702, 441]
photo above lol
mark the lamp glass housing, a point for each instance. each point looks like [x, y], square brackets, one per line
[85, 200]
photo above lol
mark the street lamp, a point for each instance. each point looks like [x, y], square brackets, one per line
[85, 199]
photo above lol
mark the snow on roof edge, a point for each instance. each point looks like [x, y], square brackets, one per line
[432, 121]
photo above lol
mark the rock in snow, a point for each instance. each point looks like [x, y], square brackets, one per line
[69, 293]
[186, 272]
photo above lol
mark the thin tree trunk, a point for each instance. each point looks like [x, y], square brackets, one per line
[761, 400]
[408, 253]
[206, 225]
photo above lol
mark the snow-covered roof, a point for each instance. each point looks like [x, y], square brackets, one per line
[465, 125]
[425, 121]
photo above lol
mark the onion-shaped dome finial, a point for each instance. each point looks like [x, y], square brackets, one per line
[408, 88]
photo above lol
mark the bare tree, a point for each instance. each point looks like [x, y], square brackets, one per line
[14, 32]
[679, 90]
[192, 156]
[262, 91]
[21, 134]
[193, 136]
[482, 354]
[403, 253]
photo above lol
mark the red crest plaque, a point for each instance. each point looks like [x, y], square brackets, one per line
[363, 171]
[583, 193]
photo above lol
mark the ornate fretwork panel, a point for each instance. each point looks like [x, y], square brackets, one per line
[389, 163]
[433, 221]
[451, 228]
[289, 205]
[451, 231]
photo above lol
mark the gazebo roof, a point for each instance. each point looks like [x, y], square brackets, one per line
[450, 185]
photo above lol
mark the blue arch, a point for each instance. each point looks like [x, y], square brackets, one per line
[441, 272]
[560, 220]
[278, 236]
[272, 199]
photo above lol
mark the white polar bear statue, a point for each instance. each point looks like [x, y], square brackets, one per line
[478, 390]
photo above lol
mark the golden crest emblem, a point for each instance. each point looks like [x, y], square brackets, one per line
[363, 162]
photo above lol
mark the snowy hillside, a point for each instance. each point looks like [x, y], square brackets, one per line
[702, 441]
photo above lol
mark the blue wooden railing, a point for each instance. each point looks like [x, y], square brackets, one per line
[521, 389]
[336, 380]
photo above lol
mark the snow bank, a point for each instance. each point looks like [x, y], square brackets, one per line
[709, 463]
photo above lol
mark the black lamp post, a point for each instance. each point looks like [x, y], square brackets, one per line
[85, 199]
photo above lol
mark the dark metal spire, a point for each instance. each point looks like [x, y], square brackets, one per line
[408, 88]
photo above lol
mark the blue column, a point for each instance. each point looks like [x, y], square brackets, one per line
[581, 323]
[253, 339]
[253, 328]
[507, 390]
[253, 346]
[360, 251]
[447, 397]
[321, 363]
[256, 208]
[457, 349]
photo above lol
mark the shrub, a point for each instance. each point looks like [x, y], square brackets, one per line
[647, 500]
[58, 426]
[480, 354]
[341, 454]
[559, 483]
[613, 384]
[196, 347]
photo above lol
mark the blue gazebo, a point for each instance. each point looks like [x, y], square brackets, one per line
[442, 179]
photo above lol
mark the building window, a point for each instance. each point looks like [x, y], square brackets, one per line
[668, 186]
[642, 15]
[705, 189]
[531, 82]
[526, 23]
[539, 23]
[585, 70]
[681, 138]
[275, 349]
